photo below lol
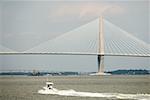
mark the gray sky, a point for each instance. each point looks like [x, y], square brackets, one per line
[25, 24]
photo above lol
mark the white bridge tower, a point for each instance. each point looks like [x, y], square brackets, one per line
[100, 57]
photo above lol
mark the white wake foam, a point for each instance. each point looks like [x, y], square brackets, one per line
[90, 94]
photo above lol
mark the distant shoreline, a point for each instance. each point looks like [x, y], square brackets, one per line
[69, 73]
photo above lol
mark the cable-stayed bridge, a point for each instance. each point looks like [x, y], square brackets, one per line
[98, 37]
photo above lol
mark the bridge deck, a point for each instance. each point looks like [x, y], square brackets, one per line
[72, 53]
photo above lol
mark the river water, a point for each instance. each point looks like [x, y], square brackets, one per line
[76, 87]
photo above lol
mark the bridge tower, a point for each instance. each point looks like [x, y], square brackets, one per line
[100, 57]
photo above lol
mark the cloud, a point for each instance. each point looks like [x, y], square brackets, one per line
[82, 10]
[93, 9]
[116, 9]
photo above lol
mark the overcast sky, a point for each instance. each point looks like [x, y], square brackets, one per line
[25, 24]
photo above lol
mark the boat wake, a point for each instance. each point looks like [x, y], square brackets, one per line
[90, 94]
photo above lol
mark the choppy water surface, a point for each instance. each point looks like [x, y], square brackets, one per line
[77, 88]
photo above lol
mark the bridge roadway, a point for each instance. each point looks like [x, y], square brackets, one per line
[73, 53]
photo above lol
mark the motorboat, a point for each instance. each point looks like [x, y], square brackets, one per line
[48, 89]
[49, 85]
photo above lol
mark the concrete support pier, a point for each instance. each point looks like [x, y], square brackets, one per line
[100, 64]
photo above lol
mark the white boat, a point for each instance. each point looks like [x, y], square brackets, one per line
[48, 89]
